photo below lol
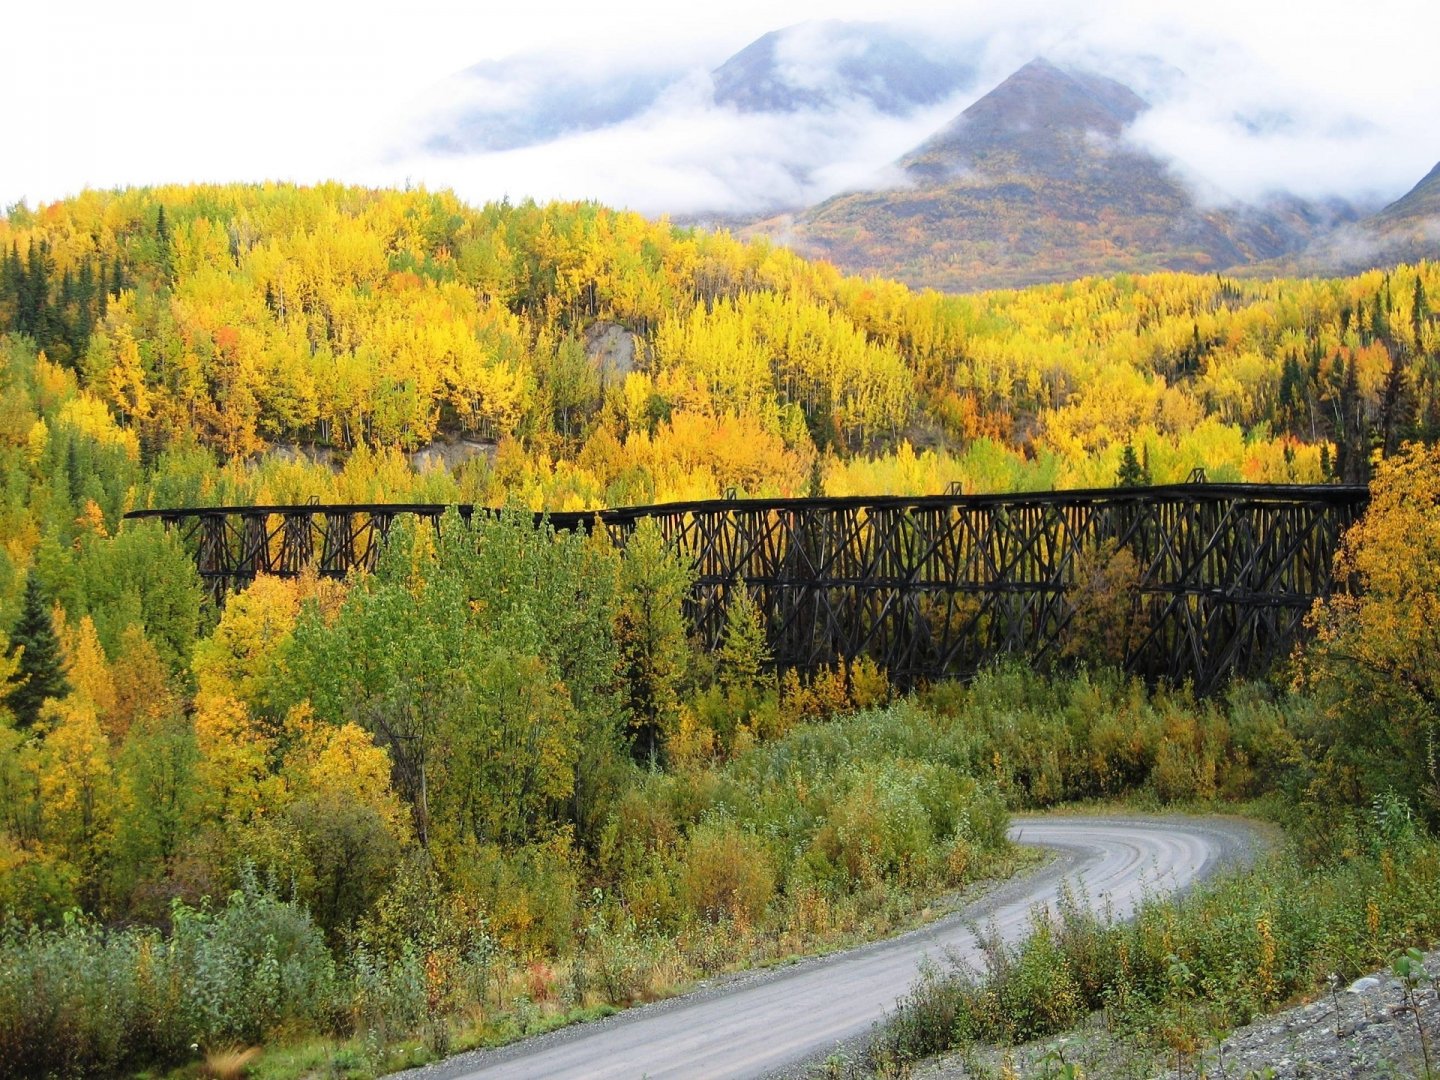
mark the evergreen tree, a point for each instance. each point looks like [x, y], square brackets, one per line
[650, 630]
[1132, 473]
[816, 489]
[40, 675]
[1351, 459]
[162, 244]
[1380, 323]
[1397, 408]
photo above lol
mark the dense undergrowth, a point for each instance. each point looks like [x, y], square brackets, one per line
[836, 830]
[825, 836]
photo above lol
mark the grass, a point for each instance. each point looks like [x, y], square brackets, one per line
[229, 1062]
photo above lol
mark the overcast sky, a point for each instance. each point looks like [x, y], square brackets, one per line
[1322, 97]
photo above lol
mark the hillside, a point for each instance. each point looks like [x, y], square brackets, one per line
[1036, 182]
[495, 785]
[1419, 206]
[342, 342]
[1407, 230]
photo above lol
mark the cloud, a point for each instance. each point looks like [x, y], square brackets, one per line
[1330, 100]
[687, 155]
[1252, 99]
[1239, 117]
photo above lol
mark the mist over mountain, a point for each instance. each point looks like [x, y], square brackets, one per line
[1407, 230]
[524, 101]
[1042, 120]
[826, 67]
[937, 157]
[1037, 181]
[823, 65]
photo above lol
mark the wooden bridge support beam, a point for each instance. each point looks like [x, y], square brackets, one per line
[928, 587]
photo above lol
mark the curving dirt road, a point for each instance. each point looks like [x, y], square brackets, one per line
[777, 1020]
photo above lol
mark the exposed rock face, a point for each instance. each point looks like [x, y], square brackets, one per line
[449, 453]
[611, 349]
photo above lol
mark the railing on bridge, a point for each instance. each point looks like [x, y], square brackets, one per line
[929, 587]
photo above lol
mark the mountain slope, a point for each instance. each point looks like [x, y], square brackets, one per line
[1042, 120]
[527, 100]
[1420, 205]
[1405, 231]
[1035, 182]
[822, 65]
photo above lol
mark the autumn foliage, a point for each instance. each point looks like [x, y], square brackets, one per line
[495, 775]
[1376, 652]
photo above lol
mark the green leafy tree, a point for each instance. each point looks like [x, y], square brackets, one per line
[650, 628]
[40, 674]
[481, 659]
[744, 653]
[156, 793]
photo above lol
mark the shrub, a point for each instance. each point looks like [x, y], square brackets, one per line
[1184, 965]
[727, 873]
[255, 965]
[82, 1000]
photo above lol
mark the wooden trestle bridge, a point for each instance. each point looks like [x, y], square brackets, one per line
[928, 587]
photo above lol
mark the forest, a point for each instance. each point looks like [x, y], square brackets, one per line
[491, 786]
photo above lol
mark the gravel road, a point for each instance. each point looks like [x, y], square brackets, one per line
[780, 1020]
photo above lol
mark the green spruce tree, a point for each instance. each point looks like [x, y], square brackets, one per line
[1132, 473]
[40, 675]
[1419, 310]
[650, 631]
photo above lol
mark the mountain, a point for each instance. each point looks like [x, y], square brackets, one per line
[822, 65]
[1407, 230]
[528, 100]
[1042, 119]
[1037, 182]
[1420, 206]
[814, 67]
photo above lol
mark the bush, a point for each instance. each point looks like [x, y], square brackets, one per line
[82, 1000]
[726, 873]
[257, 964]
[72, 1001]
